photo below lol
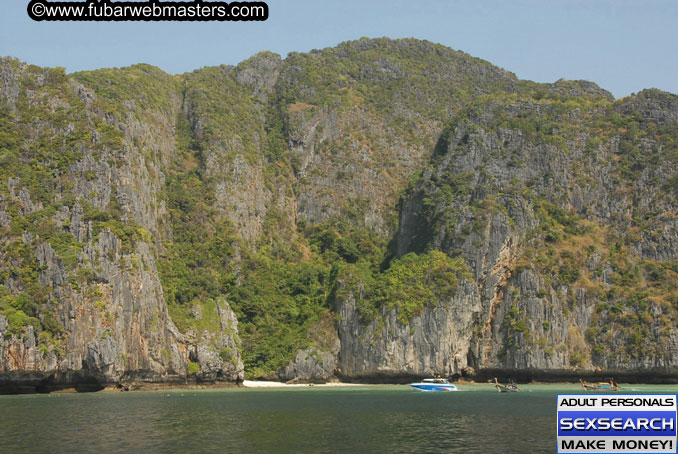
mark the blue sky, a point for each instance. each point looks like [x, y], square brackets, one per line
[622, 45]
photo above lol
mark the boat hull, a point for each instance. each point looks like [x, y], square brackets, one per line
[506, 389]
[434, 387]
[600, 388]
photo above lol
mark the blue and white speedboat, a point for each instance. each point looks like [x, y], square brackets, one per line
[434, 384]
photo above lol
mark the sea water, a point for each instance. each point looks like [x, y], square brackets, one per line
[369, 419]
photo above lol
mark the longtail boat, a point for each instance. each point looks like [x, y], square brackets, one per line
[609, 385]
[510, 388]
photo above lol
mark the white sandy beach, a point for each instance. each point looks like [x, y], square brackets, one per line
[279, 384]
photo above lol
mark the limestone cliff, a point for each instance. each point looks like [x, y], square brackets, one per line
[554, 219]
[378, 210]
[82, 301]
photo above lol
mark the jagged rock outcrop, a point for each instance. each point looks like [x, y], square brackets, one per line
[435, 342]
[217, 353]
[311, 365]
[119, 331]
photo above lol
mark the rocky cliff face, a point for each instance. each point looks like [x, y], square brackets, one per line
[100, 315]
[555, 232]
[379, 210]
[437, 341]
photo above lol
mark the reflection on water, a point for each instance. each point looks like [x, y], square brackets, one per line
[300, 420]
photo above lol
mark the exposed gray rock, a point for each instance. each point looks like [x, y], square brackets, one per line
[435, 342]
[311, 365]
[26, 206]
[218, 353]
[260, 72]
[9, 81]
[5, 218]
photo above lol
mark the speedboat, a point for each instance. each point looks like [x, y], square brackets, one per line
[434, 384]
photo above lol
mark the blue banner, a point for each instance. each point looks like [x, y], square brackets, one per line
[617, 423]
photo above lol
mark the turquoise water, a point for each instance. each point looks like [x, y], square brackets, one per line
[370, 419]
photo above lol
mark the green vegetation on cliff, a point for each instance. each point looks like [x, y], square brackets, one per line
[409, 284]
[54, 139]
[584, 184]
[392, 173]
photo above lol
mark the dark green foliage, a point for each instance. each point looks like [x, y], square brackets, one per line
[196, 263]
[146, 86]
[193, 368]
[345, 240]
[415, 281]
[408, 285]
[227, 114]
[515, 323]
[276, 305]
[195, 267]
